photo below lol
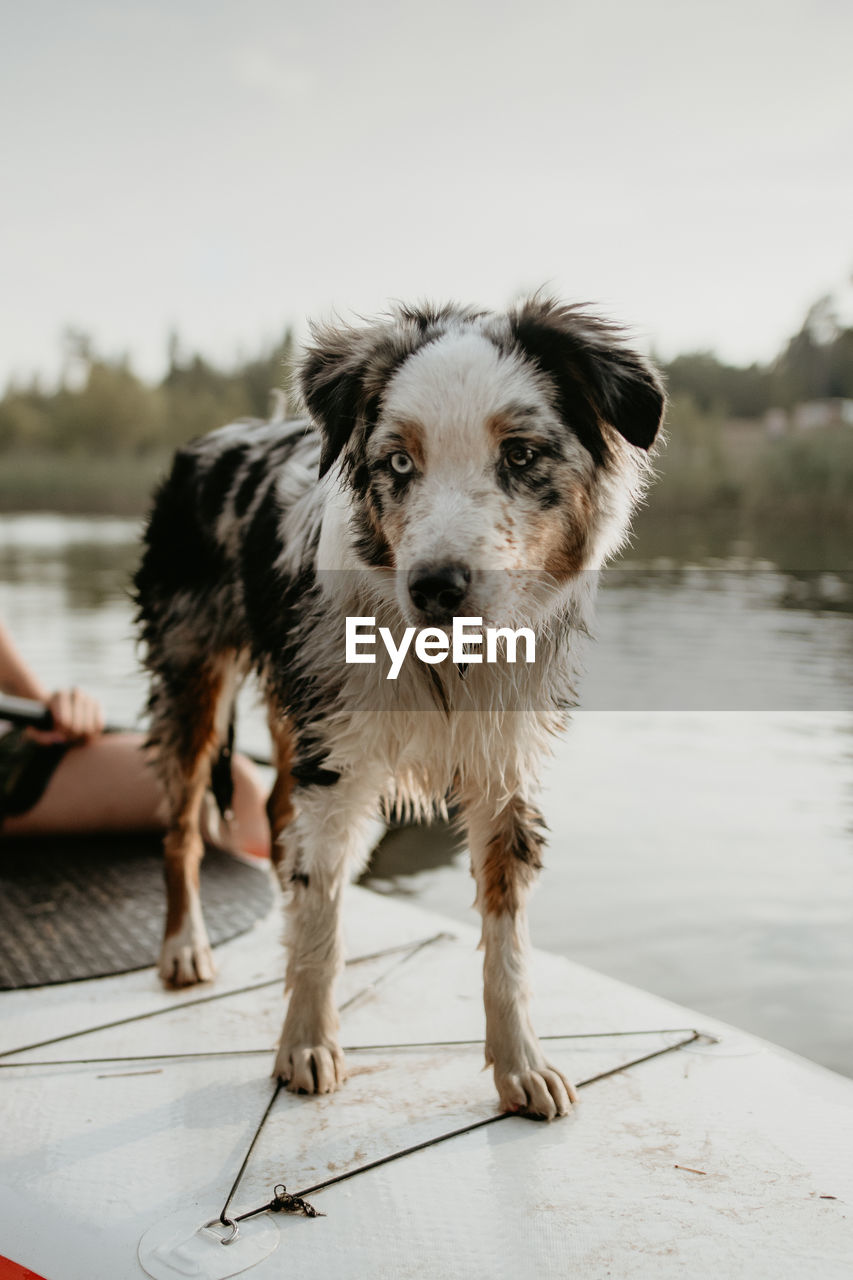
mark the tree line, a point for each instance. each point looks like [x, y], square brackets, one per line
[102, 407]
[815, 364]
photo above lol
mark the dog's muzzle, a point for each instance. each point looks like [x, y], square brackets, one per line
[438, 590]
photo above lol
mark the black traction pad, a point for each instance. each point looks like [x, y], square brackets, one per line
[88, 906]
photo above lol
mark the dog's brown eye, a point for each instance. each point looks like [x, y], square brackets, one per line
[520, 455]
[401, 463]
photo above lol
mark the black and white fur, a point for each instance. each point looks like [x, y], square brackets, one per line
[455, 462]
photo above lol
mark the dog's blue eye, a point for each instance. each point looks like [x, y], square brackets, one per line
[520, 455]
[401, 463]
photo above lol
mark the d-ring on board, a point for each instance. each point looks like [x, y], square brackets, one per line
[177, 1248]
[224, 1222]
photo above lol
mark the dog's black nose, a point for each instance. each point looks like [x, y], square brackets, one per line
[438, 589]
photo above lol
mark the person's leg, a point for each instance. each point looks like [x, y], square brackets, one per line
[107, 785]
[102, 785]
[247, 829]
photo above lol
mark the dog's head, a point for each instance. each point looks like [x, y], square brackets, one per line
[484, 451]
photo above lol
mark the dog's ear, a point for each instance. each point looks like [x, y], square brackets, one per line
[596, 376]
[344, 374]
[332, 383]
[346, 370]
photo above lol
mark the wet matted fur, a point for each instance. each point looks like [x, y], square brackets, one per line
[455, 463]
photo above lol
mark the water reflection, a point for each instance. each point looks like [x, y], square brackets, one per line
[722, 637]
[792, 545]
[64, 592]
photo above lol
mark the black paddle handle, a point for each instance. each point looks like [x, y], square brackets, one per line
[29, 714]
[25, 711]
[34, 715]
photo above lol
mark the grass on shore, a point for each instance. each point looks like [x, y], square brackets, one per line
[79, 484]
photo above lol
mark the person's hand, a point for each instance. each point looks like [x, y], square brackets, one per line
[77, 715]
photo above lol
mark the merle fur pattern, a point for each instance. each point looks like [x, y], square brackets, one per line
[524, 438]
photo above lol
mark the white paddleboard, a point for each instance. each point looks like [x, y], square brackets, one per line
[719, 1159]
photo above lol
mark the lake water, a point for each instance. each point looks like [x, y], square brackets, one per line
[701, 806]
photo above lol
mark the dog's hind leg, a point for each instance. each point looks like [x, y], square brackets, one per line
[190, 712]
[325, 844]
[506, 851]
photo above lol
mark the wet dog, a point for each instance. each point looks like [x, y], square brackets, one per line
[454, 463]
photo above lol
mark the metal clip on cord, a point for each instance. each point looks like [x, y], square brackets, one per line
[282, 1202]
[285, 1203]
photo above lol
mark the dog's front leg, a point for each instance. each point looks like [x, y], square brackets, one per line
[505, 857]
[324, 846]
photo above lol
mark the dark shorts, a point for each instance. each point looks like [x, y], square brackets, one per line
[26, 767]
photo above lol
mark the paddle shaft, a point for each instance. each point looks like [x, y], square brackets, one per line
[29, 714]
[25, 712]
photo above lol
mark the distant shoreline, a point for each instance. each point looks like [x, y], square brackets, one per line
[692, 513]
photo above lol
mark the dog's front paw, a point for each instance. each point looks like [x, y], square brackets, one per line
[541, 1092]
[186, 958]
[310, 1068]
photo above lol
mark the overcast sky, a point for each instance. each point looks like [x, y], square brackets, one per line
[229, 168]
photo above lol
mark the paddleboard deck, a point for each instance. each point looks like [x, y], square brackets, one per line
[724, 1157]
